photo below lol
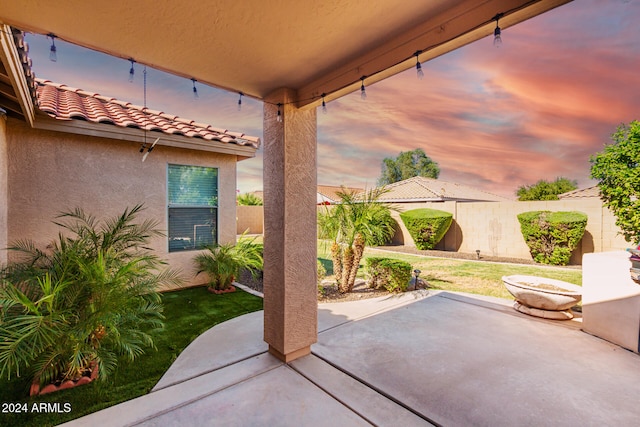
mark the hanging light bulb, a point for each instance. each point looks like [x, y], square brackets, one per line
[240, 100]
[363, 91]
[195, 89]
[132, 71]
[53, 56]
[279, 116]
[419, 71]
[324, 104]
[497, 34]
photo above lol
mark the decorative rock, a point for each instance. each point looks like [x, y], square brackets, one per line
[50, 388]
[35, 388]
[67, 384]
[84, 380]
[222, 291]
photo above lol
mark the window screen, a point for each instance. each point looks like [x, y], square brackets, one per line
[193, 207]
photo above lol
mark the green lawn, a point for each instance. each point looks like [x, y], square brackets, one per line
[188, 313]
[474, 277]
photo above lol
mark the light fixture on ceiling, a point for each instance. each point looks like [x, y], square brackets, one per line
[132, 71]
[363, 90]
[497, 33]
[419, 71]
[279, 116]
[240, 100]
[195, 89]
[324, 104]
[53, 56]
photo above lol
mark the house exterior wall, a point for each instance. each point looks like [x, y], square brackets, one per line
[4, 189]
[50, 172]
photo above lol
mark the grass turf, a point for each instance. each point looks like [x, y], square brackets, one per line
[188, 313]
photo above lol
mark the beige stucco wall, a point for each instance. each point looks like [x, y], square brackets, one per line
[50, 172]
[250, 219]
[493, 227]
[3, 189]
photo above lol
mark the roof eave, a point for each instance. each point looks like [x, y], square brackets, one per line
[102, 130]
[10, 57]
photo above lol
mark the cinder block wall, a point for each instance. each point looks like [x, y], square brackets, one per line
[493, 227]
[250, 219]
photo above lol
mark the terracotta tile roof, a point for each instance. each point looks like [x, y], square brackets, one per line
[67, 103]
[581, 193]
[420, 189]
[329, 193]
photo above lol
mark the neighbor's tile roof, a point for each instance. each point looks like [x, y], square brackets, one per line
[66, 103]
[330, 192]
[418, 189]
[581, 193]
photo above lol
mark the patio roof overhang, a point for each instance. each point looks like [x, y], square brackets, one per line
[258, 47]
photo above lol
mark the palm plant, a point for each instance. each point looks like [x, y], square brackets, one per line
[89, 298]
[222, 263]
[357, 221]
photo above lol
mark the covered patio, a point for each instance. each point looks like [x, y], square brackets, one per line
[421, 358]
[293, 56]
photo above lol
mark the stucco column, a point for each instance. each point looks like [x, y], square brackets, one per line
[290, 252]
[4, 188]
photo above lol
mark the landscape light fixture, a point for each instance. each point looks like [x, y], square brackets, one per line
[497, 37]
[416, 272]
[419, 66]
[132, 71]
[53, 56]
[363, 91]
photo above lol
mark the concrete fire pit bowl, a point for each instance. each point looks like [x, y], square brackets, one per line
[542, 297]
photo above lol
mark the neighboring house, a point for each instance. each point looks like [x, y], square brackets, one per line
[63, 148]
[583, 193]
[420, 189]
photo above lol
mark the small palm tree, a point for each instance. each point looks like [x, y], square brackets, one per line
[357, 221]
[248, 199]
[222, 263]
[88, 299]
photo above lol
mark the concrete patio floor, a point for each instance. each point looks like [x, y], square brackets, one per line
[416, 359]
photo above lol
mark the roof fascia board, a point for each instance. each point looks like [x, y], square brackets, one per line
[79, 127]
[446, 32]
[10, 57]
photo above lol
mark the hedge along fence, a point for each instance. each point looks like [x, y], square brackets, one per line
[427, 226]
[390, 274]
[552, 236]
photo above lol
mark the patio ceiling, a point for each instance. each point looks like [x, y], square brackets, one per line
[257, 47]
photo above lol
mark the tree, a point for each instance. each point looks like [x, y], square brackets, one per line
[249, 199]
[352, 224]
[617, 169]
[545, 190]
[407, 165]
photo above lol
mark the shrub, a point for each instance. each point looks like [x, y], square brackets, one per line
[390, 274]
[85, 299]
[222, 263]
[427, 226]
[552, 236]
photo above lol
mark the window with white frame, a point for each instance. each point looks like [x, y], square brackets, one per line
[193, 207]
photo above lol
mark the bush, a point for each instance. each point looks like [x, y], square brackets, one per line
[427, 226]
[390, 274]
[552, 236]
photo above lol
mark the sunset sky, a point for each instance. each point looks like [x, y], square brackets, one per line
[493, 118]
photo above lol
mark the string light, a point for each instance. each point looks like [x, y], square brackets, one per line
[324, 104]
[279, 116]
[363, 91]
[132, 71]
[195, 89]
[53, 56]
[497, 36]
[419, 71]
[240, 101]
